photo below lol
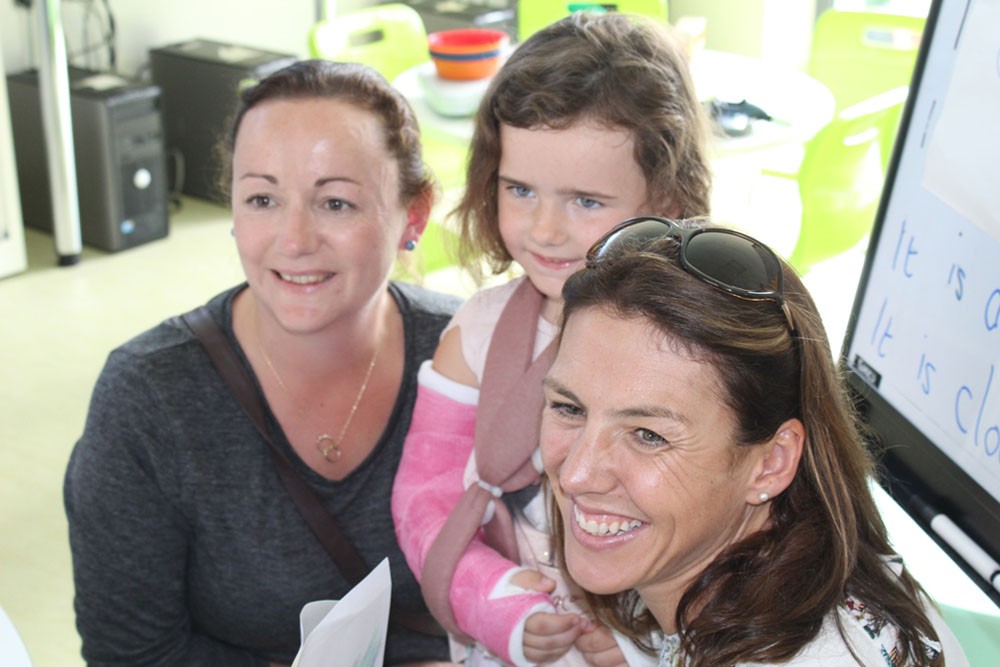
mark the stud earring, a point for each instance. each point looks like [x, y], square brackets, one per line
[232, 231]
[410, 245]
[763, 497]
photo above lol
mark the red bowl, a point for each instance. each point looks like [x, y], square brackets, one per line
[466, 54]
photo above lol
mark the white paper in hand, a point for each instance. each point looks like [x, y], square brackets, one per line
[350, 631]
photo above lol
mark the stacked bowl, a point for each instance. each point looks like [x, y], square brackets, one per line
[467, 54]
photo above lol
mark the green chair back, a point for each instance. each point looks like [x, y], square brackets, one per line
[533, 15]
[858, 55]
[390, 38]
[978, 632]
[841, 177]
[438, 248]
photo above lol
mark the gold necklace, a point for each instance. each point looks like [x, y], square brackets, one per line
[326, 443]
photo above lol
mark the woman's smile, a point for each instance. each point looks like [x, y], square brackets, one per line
[305, 278]
[601, 525]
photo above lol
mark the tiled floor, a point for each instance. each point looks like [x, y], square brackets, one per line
[58, 324]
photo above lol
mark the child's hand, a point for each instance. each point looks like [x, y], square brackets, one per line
[599, 648]
[548, 636]
[533, 580]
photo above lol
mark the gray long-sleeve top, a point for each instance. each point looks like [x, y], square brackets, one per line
[186, 548]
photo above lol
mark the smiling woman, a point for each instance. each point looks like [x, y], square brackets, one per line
[187, 549]
[710, 487]
[669, 446]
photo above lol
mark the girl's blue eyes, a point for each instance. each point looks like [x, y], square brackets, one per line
[521, 192]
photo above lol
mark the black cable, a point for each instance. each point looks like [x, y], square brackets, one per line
[112, 36]
[107, 39]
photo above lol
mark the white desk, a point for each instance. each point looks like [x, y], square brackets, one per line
[12, 650]
[800, 104]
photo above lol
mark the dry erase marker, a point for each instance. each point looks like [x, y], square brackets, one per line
[962, 544]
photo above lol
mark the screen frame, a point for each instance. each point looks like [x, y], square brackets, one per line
[914, 471]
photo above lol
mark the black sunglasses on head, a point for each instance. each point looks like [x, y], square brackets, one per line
[728, 260]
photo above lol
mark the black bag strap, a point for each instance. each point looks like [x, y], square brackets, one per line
[322, 523]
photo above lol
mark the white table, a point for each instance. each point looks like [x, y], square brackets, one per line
[13, 653]
[799, 104]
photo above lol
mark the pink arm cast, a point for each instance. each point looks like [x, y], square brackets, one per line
[428, 484]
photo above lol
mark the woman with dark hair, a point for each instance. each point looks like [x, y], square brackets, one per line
[710, 481]
[187, 549]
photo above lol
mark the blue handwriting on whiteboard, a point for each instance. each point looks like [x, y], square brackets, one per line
[985, 435]
[880, 334]
[957, 277]
[909, 253]
[924, 372]
[991, 315]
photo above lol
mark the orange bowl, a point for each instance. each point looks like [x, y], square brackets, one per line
[466, 54]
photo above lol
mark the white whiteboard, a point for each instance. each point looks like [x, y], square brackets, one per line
[925, 332]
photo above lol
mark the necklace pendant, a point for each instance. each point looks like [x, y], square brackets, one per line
[328, 447]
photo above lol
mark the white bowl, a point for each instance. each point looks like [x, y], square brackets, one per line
[451, 98]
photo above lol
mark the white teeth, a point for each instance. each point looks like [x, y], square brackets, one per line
[600, 529]
[304, 280]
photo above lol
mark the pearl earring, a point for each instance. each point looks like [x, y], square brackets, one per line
[763, 497]
[410, 245]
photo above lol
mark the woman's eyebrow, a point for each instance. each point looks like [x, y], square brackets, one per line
[653, 412]
[333, 179]
[559, 388]
[267, 177]
[644, 411]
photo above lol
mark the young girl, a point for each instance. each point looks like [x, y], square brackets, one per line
[592, 120]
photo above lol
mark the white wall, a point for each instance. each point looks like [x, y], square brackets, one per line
[775, 30]
[274, 25]
[13, 257]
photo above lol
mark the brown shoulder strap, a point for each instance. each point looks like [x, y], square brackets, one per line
[324, 526]
[506, 435]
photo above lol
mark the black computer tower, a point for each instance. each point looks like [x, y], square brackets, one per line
[200, 80]
[120, 161]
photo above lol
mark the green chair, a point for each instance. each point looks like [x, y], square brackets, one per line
[978, 633]
[841, 177]
[858, 55]
[390, 38]
[533, 15]
[437, 248]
